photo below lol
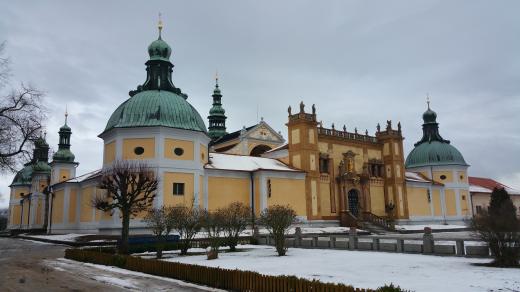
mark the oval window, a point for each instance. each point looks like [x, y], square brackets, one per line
[178, 151]
[138, 150]
[443, 177]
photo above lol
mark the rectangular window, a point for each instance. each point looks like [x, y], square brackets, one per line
[178, 189]
[479, 209]
[429, 196]
[269, 188]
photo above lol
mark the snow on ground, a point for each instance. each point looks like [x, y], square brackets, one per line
[130, 280]
[124, 283]
[61, 237]
[432, 226]
[368, 269]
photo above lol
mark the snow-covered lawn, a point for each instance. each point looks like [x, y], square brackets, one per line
[432, 226]
[61, 237]
[368, 269]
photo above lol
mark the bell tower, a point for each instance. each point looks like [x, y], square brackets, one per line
[304, 154]
[396, 202]
[63, 165]
[217, 115]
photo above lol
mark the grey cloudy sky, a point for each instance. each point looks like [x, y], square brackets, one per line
[360, 62]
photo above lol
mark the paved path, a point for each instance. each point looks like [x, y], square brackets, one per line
[35, 266]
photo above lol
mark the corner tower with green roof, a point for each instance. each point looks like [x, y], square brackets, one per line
[158, 126]
[63, 164]
[438, 160]
[217, 115]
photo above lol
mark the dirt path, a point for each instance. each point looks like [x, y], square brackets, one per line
[35, 266]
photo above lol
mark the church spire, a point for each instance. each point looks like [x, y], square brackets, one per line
[159, 68]
[64, 154]
[430, 127]
[217, 114]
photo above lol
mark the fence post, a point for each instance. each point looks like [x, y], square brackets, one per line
[352, 238]
[298, 237]
[428, 240]
[400, 245]
[332, 243]
[375, 244]
[460, 247]
[314, 241]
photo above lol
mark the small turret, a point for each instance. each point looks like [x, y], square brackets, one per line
[63, 165]
[217, 115]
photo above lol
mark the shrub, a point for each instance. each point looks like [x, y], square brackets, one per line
[500, 228]
[212, 223]
[390, 288]
[187, 221]
[161, 222]
[277, 220]
[236, 217]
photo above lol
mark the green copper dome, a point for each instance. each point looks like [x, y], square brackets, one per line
[159, 50]
[432, 149]
[23, 177]
[41, 166]
[434, 153]
[63, 155]
[156, 108]
[157, 102]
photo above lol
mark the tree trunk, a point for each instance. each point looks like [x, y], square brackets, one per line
[160, 246]
[123, 245]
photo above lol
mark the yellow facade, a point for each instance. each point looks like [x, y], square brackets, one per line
[86, 210]
[288, 192]
[73, 201]
[169, 178]
[436, 198]
[464, 198]
[451, 203]
[225, 190]
[377, 200]
[39, 212]
[21, 191]
[64, 175]
[130, 146]
[443, 176]
[57, 207]
[204, 154]
[109, 153]
[295, 136]
[16, 212]
[171, 144]
[418, 201]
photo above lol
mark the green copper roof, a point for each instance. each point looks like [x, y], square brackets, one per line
[41, 166]
[432, 149]
[156, 108]
[434, 153]
[63, 155]
[24, 176]
[159, 50]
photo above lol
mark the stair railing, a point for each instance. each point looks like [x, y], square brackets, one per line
[379, 221]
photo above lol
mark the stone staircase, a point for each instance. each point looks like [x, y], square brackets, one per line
[374, 229]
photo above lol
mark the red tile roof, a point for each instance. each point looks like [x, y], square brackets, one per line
[490, 184]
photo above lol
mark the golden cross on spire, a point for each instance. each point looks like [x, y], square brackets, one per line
[428, 100]
[160, 25]
[216, 77]
[66, 114]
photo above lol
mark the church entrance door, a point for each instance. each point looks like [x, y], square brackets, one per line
[353, 202]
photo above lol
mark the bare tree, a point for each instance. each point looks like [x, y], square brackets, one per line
[130, 188]
[160, 221]
[21, 117]
[213, 225]
[278, 219]
[187, 221]
[236, 217]
[499, 227]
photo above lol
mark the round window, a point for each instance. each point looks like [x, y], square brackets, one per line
[443, 177]
[138, 150]
[178, 151]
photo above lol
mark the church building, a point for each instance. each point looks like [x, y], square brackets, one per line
[328, 176]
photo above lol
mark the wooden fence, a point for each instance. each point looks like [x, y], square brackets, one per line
[235, 280]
